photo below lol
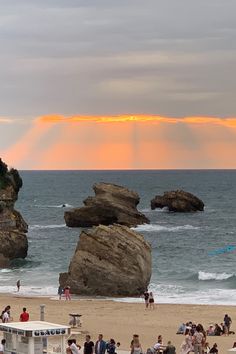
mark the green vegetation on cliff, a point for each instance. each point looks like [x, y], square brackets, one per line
[9, 177]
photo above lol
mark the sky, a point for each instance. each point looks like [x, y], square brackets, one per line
[128, 84]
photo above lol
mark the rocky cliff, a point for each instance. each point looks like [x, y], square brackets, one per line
[111, 204]
[13, 228]
[109, 261]
[178, 201]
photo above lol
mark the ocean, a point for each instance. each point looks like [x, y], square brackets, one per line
[185, 268]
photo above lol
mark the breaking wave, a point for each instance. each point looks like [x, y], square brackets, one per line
[214, 276]
[156, 227]
[54, 206]
[42, 227]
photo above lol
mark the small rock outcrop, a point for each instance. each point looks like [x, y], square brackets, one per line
[111, 204]
[109, 261]
[13, 228]
[178, 201]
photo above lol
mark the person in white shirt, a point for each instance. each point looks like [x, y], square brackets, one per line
[2, 345]
[73, 347]
[5, 317]
[158, 346]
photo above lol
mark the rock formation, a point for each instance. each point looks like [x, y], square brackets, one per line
[111, 204]
[179, 201]
[109, 261]
[13, 228]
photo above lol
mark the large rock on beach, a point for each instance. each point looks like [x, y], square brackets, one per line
[13, 228]
[109, 261]
[111, 204]
[178, 201]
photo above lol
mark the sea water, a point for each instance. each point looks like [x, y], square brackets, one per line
[183, 269]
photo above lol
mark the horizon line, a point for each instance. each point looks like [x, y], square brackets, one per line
[134, 169]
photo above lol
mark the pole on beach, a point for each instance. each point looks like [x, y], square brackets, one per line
[42, 312]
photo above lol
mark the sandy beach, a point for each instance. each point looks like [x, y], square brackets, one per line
[121, 320]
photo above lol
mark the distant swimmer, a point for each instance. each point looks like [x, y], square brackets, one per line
[63, 206]
[18, 285]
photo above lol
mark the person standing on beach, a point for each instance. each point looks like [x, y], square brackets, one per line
[88, 345]
[100, 345]
[151, 300]
[146, 298]
[227, 323]
[24, 316]
[198, 338]
[18, 285]
[111, 346]
[136, 346]
[67, 293]
[72, 347]
[60, 291]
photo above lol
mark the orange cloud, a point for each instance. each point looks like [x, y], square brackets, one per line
[125, 142]
[137, 118]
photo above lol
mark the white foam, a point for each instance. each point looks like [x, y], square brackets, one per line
[54, 206]
[213, 276]
[29, 290]
[156, 227]
[35, 227]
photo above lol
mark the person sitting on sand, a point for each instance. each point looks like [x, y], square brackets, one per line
[211, 331]
[158, 347]
[218, 330]
[234, 345]
[214, 349]
[24, 316]
[181, 329]
[170, 349]
[206, 348]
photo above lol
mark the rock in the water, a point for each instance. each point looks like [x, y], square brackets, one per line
[111, 204]
[109, 261]
[13, 228]
[179, 201]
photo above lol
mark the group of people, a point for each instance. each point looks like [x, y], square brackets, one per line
[196, 341]
[100, 346]
[222, 329]
[149, 299]
[159, 347]
[6, 315]
[64, 292]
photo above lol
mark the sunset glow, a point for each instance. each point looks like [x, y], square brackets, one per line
[125, 142]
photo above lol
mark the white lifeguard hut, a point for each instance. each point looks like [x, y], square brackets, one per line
[29, 337]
